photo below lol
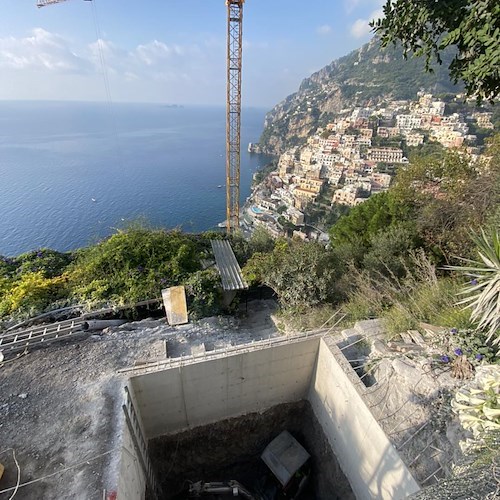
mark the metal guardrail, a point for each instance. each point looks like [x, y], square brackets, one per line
[140, 444]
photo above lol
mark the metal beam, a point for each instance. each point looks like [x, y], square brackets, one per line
[233, 109]
[44, 3]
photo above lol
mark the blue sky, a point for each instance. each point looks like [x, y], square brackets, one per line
[171, 51]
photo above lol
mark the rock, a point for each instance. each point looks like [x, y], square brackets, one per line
[370, 328]
[379, 348]
[406, 370]
[23, 395]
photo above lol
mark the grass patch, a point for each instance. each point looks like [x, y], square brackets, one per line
[302, 320]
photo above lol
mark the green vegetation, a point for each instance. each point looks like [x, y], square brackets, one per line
[302, 275]
[389, 252]
[132, 265]
[385, 258]
[428, 28]
[478, 408]
[261, 174]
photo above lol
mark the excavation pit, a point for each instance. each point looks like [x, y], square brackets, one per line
[231, 450]
[209, 418]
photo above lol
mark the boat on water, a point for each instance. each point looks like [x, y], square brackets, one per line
[219, 186]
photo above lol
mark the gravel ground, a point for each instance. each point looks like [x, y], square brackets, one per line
[61, 405]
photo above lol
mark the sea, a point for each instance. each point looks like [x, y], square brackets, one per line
[72, 173]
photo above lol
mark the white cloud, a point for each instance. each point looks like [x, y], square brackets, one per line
[361, 27]
[41, 51]
[350, 5]
[324, 30]
[47, 52]
[158, 70]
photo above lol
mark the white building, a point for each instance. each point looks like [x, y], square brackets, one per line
[386, 155]
[406, 123]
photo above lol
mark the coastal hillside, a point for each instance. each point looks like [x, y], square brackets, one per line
[364, 77]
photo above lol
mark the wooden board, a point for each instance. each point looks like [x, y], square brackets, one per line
[174, 300]
[417, 337]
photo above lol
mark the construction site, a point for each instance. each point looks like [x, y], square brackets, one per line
[147, 410]
[93, 406]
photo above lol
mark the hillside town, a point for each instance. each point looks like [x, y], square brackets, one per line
[353, 157]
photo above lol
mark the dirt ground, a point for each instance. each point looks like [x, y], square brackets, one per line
[231, 449]
[61, 405]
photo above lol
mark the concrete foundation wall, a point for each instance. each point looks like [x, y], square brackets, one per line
[204, 392]
[367, 457]
[132, 481]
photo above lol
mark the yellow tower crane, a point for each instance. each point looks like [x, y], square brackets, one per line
[233, 108]
[233, 112]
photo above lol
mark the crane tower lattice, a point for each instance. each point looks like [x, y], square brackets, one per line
[233, 112]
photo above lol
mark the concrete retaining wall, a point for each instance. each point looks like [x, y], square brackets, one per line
[207, 391]
[199, 392]
[132, 481]
[365, 454]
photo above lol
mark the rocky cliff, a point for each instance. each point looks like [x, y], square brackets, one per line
[364, 77]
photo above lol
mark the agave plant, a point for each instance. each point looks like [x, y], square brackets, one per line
[483, 291]
[478, 405]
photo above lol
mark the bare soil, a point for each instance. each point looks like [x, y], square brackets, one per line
[230, 450]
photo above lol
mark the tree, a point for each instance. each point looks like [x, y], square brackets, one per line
[449, 195]
[365, 220]
[303, 275]
[426, 28]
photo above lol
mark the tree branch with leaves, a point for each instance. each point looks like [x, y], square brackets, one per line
[427, 27]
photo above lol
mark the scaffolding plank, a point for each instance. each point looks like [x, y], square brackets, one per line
[22, 339]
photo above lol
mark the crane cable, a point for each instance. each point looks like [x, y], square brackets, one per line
[101, 53]
[107, 87]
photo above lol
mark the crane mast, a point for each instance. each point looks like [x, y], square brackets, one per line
[233, 112]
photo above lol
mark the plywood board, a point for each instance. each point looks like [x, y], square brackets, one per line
[174, 300]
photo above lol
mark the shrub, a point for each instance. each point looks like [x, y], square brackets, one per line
[389, 251]
[32, 294]
[133, 265]
[483, 289]
[206, 294]
[50, 263]
[302, 274]
[478, 405]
